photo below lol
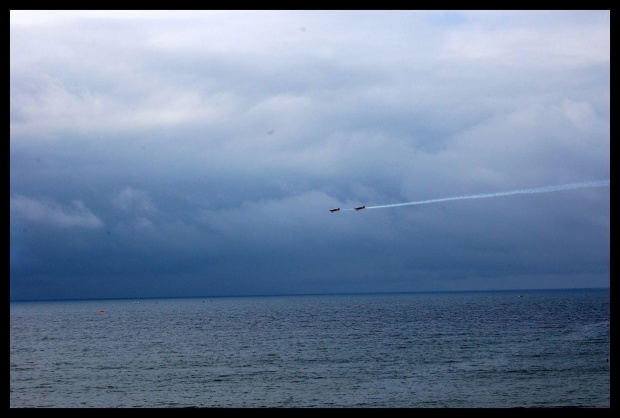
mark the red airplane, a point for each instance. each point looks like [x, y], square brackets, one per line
[334, 210]
[360, 207]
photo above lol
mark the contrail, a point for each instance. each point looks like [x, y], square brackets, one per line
[547, 189]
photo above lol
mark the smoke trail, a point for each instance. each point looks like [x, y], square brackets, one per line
[601, 183]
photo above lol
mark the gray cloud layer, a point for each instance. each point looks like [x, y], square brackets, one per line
[196, 153]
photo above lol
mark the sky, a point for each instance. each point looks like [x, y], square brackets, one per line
[197, 153]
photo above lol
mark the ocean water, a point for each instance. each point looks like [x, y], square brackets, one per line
[419, 350]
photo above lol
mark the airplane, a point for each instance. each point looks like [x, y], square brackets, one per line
[360, 207]
[334, 210]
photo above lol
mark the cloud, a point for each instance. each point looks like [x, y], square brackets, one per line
[213, 143]
[52, 214]
[526, 46]
[132, 199]
[562, 142]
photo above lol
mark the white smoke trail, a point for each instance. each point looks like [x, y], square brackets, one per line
[601, 183]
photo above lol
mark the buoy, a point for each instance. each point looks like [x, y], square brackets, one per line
[356, 306]
[101, 310]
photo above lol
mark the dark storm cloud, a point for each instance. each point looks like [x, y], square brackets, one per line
[180, 154]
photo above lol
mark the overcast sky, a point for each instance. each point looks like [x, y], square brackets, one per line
[169, 154]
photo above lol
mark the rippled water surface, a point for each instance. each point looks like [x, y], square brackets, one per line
[467, 349]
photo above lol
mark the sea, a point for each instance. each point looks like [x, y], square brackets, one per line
[491, 349]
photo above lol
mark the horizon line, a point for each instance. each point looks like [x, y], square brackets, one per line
[312, 294]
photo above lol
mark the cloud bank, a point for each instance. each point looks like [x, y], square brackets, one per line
[164, 153]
